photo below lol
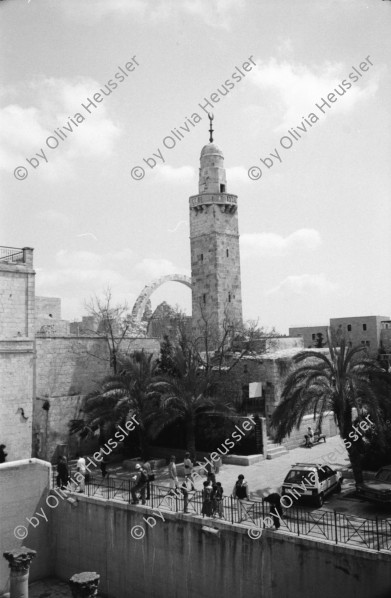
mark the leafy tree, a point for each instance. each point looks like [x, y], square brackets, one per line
[341, 382]
[120, 397]
[166, 362]
[185, 397]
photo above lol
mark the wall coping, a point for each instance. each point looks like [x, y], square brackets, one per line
[25, 463]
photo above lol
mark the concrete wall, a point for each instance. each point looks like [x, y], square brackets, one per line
[177, 559]
[24, 488]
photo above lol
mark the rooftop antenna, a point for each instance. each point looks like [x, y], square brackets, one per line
[211, 117]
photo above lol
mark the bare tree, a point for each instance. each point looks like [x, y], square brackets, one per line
[111, 323]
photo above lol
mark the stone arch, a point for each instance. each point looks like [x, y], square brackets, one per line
[141, 302]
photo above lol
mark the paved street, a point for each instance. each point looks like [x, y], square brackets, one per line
[267, 476]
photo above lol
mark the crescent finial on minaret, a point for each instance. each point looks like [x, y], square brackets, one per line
[211, 117]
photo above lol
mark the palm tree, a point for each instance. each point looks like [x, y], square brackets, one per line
[185, 396]
[345, 380]
[120, 397]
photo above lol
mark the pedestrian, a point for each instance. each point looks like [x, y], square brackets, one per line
[242, 493]
[62, 473]
[103, 463]
[150, 475]
[141, 479]
[210, 473]
[207, 499]
[218, 463]
[188, 465]
[187, 488]
[172, 473]
[217, 500]
[310, 435]
[276, 511]
[82, 470]
[3, 454]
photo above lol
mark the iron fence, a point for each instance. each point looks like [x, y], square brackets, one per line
[320, 524]
[11, 254]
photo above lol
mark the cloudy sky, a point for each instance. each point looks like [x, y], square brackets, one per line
[315, 227]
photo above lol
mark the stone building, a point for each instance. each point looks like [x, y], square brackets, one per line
[214, 245]
[45, 371]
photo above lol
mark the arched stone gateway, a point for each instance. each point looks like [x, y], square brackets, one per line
[139, 306]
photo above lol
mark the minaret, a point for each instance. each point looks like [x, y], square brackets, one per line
[215, 258]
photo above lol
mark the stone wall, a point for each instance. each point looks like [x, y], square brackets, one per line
[16, 353]
[178, 558]
[24, 486]
[48, 307]
[16, 397]
[68, 368]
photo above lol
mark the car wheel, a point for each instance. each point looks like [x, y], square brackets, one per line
[319, 500]
[339, 487]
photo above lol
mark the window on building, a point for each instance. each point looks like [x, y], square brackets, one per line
[202, 257]
[227, 252]
[313, 337]
[245, 369]
[367, 343]
[229, 297]
[364, 326]
[222, 188]
[204, 298]
[350, 344]
[349, 327]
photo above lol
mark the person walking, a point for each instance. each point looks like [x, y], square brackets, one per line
[148, 468]
[3, 454]
[217, 500]
[172, 473]
[218, 463]
[242, 493]
[103, 463]
[82, 470]
[210, 473]
[62, 473]
[187, 488]
[207, 499]
[188, 465]
[141, 479]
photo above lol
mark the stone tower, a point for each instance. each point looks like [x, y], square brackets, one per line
[214, 242]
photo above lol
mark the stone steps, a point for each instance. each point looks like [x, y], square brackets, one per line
[275, 450]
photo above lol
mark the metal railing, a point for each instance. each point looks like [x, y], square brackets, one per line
[11, 254]
[332, 526]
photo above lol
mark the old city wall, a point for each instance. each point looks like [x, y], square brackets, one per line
[23, 491]
[68, 368]
[178, 558]
[16, 351]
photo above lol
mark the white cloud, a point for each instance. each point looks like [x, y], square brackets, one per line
[53, 218]
[24, 130]
[214, 13]
[271, 244]
[182, 174]
[151, 268]
[300, 87]
[303, 285]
